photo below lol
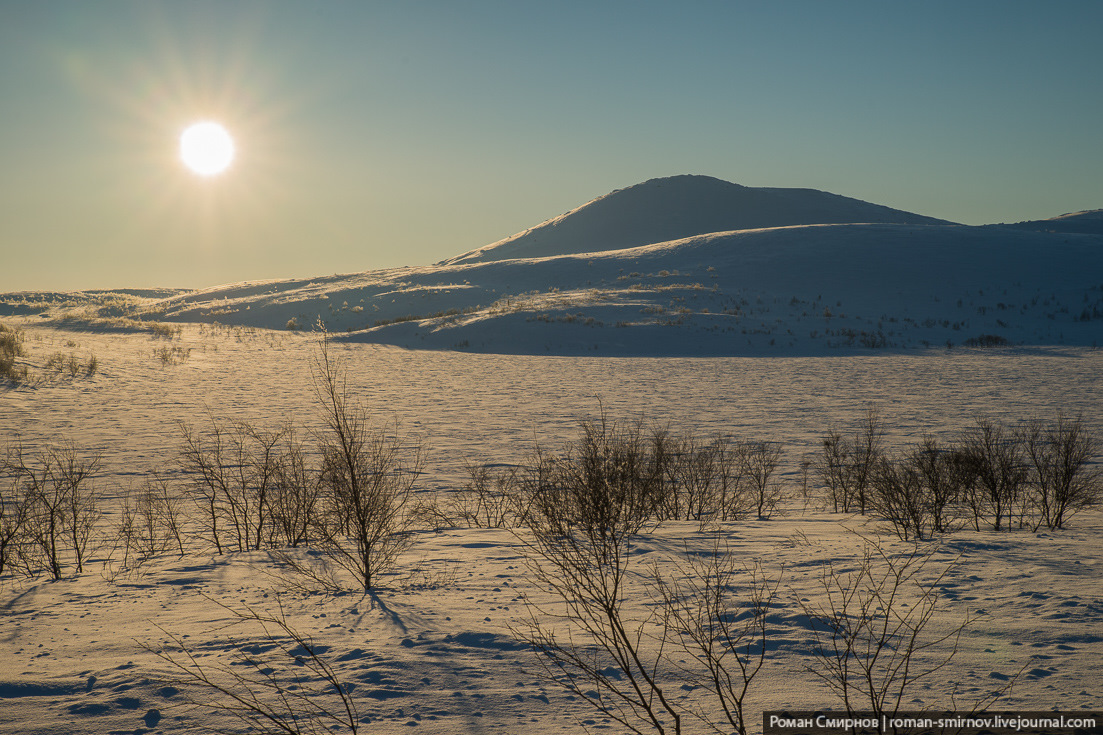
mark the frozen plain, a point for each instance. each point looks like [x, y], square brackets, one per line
[433, 651]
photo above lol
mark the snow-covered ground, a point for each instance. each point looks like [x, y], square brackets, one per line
[433, 650]
[831, 307]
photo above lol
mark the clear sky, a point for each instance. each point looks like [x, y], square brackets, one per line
[374, 134]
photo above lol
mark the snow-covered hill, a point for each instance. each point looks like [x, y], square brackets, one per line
[677, 207]
[1084, 223]
[609, 278]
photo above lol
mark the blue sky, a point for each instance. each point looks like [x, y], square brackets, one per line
[386, 134]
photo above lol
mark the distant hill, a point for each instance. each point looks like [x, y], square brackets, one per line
[1083, 223]
[676, 207]
[740, 285]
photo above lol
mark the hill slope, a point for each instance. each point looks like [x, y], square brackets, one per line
[1084, 223]
[676, 207]
[797, 289]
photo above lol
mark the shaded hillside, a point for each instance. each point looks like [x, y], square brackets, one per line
[676, 207]
[813, 289]
[1084, 223]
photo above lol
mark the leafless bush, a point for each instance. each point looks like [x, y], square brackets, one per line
[919, 492]
[734, 496]
[172, 355]
[846, 466]
[874, 635]
[758, 461]
[11, 347]
[1060, 474]
[706, 481]
[151, 523]
[279, 683]
[234, 468]
[295, 497]
[14, 513]
[897, 495]
[590, 643]
[832, 467]
[492, 498]
[994, 459]
[71, 364]
[720, 612]
[367, 475]
[945, 475]
[61, 506]
[607, 482]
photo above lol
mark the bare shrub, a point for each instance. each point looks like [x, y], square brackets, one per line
[944, 476]
[14, 513]
[705, 481]
[758, 461]
[995, 462]
[295, 497]
[1060, 474]
[234, 467]
[833, 468]
[874, 631]
[897, 495]
[368, 475]
[172, 355]
[161, 330]
[61, 512]
[11, 347]
[846, 466]
[277, 683]
[490, 499]
[732, 497]
[608, 481]
[595, 640]
[591, 643]
[151, 522]
[720, 612]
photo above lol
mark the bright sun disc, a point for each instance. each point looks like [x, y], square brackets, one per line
[206, 148]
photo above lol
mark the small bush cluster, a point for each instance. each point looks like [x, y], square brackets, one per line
[258, 488]
[72, 365]
[992, 476]
[172, 355]
[622, 476]
[987, 340]
[48, 511]
[238, 488]
[11, 347]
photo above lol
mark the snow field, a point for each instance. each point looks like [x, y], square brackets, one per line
[433, 650]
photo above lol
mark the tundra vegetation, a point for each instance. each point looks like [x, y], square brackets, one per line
[685, 656]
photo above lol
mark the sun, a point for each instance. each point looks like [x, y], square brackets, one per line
[206, 148]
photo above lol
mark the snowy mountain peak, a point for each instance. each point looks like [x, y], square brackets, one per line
[675, 207]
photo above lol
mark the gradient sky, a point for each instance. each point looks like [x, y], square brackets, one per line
[378, 134]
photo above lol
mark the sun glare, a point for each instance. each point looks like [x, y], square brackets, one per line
[206, 148]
